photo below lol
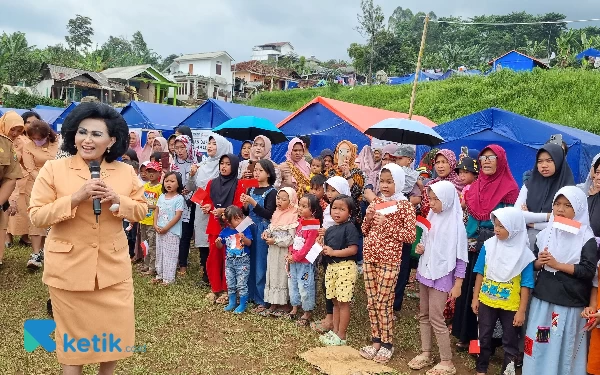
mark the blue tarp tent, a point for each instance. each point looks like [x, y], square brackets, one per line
[213, 113]
[590, 52]
[47, 113]
[516, 61]
[56, 125]
[151, 116]
[520, 136]
[18, 110]
[328, 121]
[410, 78]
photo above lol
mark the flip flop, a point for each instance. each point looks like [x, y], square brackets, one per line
[317, 326]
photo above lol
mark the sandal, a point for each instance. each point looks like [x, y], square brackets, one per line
[317, 326]
[303, 322]
[156, 281]
[279, 313]
[384, 355]
[223, 299]
[368, 352]
[332, 340]
[264, 313]
[258, 309]
[211, 297]
[291, 315]
[420, 362]
[440, 369]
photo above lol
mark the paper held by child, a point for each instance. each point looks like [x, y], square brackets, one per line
[566, 225]
[386, 208]
[199, 196]
[244, 224]
[314, 252]
[310, 224]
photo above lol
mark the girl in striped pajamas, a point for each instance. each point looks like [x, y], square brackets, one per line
[167, 223]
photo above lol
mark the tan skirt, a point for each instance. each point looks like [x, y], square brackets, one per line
[83, 315]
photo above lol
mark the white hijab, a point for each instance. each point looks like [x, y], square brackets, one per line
[399, 177]
[208, 168]
[589, 180]
[341, 185]
[447, 239]
[566, 247]
[506, 259]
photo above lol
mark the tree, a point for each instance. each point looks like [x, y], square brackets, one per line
[80, 32]
[141, 50]
[164, 65]
[17, 60]
[370, 23]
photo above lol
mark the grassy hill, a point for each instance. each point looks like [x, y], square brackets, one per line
[567, 97]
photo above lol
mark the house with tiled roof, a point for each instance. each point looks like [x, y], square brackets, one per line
[202, 75]
[271, 51]
[70, 84]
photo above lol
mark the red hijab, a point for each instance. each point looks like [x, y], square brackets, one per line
[489, 191]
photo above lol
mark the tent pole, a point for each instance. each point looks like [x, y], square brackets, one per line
[414, 89]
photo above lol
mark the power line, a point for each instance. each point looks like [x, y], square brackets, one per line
[514, 23]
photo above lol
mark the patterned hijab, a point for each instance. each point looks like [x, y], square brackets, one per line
[425, 167]
[302, 164]
[453, 176]
[183, 166]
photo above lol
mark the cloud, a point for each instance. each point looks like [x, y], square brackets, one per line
[324, 28]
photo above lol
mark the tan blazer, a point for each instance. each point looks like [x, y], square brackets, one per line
[79, 253]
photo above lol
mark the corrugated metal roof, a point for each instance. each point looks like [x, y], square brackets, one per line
[202, 56]
[125, 72]
[62, 73]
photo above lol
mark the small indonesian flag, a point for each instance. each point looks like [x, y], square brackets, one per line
[247, 183]
[314, 252]
[424, 224]
[567, 225]
[423, 227]
[199, 196]
[244, 224]
[386, 208]
[144, 246]
[311, 224]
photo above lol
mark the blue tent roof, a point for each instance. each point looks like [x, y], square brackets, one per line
[61, 118]
[409, 78]
[47, 113]
[590, 52]
[154, 116]
[18, 110]
[520, 136]
[213, 113]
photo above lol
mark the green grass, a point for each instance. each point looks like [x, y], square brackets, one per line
[184, 334]
[562, 96]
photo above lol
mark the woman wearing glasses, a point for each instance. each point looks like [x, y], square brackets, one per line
[495, 188]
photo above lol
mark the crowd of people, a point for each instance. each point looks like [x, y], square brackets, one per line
[511, 267]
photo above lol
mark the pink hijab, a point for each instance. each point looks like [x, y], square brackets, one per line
[284, 218]
[366, 162]
[268, 147]
[163, 143]
[302, 165]
[147, 150]
[138, 144]
[453, 176]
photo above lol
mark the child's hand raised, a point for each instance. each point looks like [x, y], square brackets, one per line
[379, 219]
[420, 249]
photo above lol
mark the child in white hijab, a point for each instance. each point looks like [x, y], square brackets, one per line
[505, 276]
[440, 273]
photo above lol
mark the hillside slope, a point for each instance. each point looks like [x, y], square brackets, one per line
[567, 97]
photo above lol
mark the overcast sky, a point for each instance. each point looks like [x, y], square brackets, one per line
[324, 28]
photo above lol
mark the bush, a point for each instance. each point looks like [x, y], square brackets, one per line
[565, 96]
[25, 101]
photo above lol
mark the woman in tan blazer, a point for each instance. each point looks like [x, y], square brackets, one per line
[43, 147]
[87, 267]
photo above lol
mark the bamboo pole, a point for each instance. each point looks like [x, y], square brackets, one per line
[414, 89]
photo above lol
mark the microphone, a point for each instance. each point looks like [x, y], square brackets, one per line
[95, 173]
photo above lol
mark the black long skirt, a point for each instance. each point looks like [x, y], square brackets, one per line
[464, 323]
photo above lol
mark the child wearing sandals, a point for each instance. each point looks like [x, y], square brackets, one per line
[440, 274]
[301, 282]
[385, 234]
[505, 276]
[280, 236]
[341, 245]
[167, 224]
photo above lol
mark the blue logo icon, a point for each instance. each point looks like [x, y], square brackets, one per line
[36, 332]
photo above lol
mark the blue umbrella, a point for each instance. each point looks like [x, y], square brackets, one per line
[248, 127]
[405, 131]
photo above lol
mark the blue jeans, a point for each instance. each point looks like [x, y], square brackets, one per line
[237, 270]
[258, 257]
[301, 285]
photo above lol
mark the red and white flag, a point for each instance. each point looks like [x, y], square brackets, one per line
[144, 246]
[310, 224]
[244, 224]
[386, 208]
[424, 224]
[566, 225]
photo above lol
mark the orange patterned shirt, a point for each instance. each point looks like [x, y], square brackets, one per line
[383, 243]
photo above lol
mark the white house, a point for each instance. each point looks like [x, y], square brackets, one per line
[271, 51]
[202, 76]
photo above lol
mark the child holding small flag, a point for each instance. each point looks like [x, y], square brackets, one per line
[567, 255]
[301, 282]
[389, 223]
[167, 224]
[236, 238]
[440, 273]
[505, 276]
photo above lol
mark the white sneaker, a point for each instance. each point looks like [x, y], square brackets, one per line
[35, 262]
